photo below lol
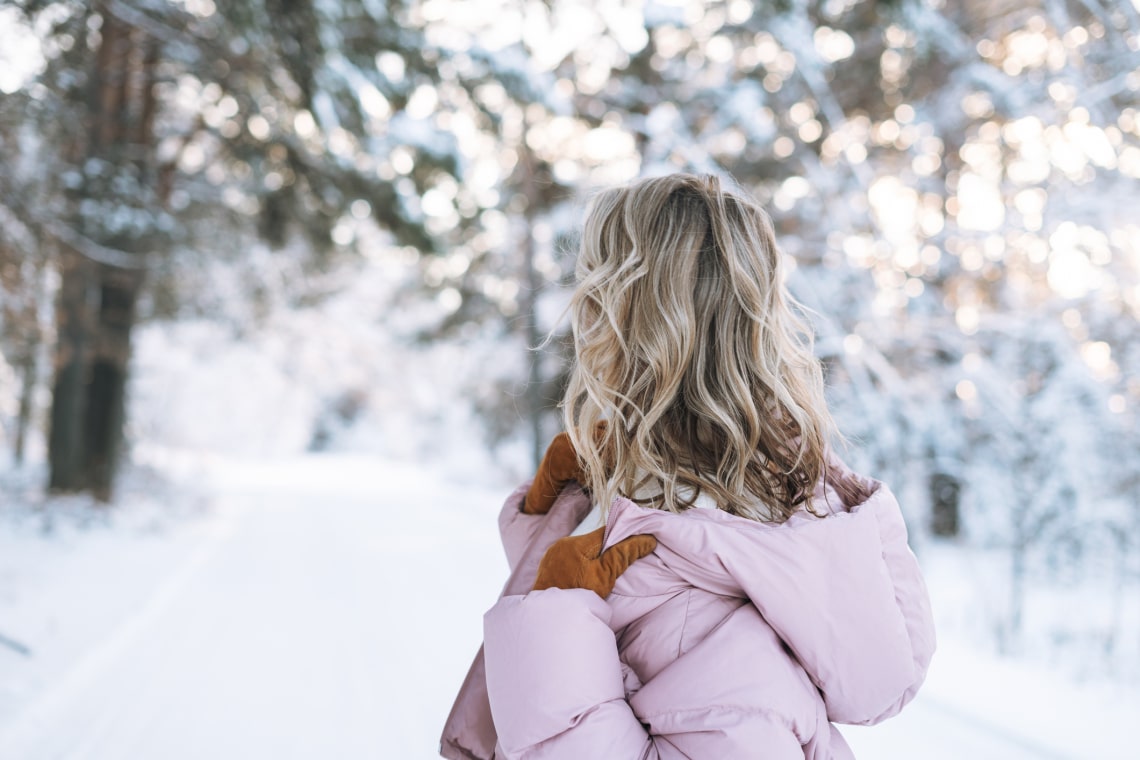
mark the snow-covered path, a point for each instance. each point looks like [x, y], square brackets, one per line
[327, 609]
[323, 614]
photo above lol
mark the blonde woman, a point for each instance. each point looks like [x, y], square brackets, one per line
[693, 574]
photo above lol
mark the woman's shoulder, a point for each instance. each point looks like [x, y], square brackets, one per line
[843, 591]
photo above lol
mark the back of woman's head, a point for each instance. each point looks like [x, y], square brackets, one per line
[690, 350]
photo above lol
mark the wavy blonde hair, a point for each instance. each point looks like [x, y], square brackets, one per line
[693, 368]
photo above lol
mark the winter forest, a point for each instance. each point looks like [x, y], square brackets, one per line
[282, 292]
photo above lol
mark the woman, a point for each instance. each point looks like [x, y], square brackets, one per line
[745, 589]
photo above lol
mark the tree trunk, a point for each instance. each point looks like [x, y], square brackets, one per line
[66, 454]
[106, 392]
[96, 314]
[97, 300]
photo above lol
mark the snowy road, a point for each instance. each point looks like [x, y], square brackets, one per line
[326, 616]
[327, 610]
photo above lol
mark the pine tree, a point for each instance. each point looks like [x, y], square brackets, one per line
[193, 113]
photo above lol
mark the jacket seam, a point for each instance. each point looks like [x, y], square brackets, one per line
[775, 717]
[684, 623]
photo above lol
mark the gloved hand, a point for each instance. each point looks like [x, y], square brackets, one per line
[578, 562]
[559, 466]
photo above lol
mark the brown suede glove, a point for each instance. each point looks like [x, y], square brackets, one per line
[559, 466]
[578, 562]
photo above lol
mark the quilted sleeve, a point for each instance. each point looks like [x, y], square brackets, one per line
[913, 603]
[554, 680]
[519, 530]
[848, 597]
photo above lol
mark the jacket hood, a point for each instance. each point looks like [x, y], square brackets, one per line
[843, 591]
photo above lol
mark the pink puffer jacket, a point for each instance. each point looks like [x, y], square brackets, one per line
[734, 639]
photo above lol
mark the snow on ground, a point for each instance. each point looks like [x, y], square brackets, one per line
[321, 609]
[329, 605]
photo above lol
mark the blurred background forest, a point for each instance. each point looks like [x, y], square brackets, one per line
[278, 226]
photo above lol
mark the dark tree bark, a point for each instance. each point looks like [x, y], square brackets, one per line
[96, 309]
[68, 407]
[106, 390]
